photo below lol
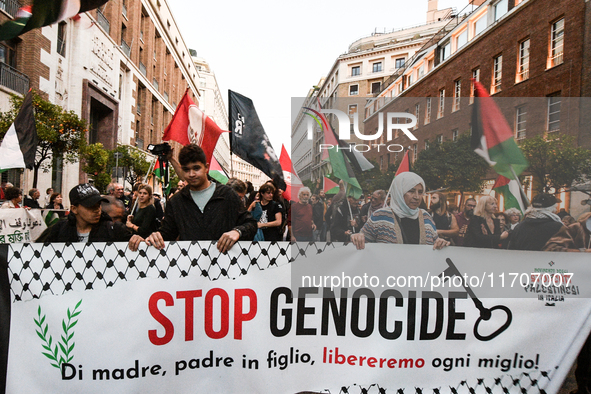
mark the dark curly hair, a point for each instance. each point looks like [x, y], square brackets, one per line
[12, 192]
[192, 153]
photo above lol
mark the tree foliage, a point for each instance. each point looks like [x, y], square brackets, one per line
[95, 164]
[60, 133]
[134, 160]
[555, 162]
[452, 165]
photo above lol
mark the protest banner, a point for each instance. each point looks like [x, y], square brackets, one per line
[21, 225]
[97, 318]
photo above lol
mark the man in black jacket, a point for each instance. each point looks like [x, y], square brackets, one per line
[86, 222]
[538, 226]
[202, 210]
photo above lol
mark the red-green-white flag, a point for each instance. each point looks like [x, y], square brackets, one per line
[492, 137]
[19, 145]
[511, 192]
[340, 156]
[45, 13]
[404, 165]
[292, 180]
[330, 187]
[216, 171]
[161, 172]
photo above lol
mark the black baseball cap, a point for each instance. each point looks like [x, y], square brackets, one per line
[543, 200]
[86, 195]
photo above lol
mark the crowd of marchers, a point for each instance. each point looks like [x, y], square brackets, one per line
[202, 209]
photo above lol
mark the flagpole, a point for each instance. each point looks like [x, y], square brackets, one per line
[231, 132]
[526, 201]
[348, 204]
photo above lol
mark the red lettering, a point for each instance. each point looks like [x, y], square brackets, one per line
[225, 313]
[391, 363]
[189, 296]
[239, 315]
[351, 360]
[338, 358]
[372, 362]
[160, 318]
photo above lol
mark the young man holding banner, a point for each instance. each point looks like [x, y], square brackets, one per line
[202, 210]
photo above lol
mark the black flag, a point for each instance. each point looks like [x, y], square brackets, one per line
[249, 140]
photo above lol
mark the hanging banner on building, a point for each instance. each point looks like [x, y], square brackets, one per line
[21, 225]
[402, 318]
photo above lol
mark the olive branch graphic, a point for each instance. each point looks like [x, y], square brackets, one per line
[66, 345]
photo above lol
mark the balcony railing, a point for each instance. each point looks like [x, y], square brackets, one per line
[103, 21]
[143, 68]
[125, 48]
[13, 79]
[10, 6]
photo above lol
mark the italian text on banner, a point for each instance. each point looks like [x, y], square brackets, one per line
[101, 319]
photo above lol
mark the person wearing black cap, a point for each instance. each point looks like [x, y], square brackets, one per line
[540, 223]
[86, 222]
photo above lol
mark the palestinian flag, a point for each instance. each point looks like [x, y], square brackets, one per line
[512, 193]
[189, 125]
[492, 137]
[292, 180]
[330, 187]
[341, 157]
[45, 13]
[19, 146]
[217, 172]
[161, 172]
[404, 165]
[50, 217]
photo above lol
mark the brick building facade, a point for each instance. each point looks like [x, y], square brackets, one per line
[532, 56]
[123, 68]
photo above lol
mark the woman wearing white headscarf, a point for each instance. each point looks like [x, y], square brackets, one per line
[403, 222]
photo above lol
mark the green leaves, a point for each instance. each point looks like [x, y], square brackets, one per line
[66, 345]
[452, 165]
[555, 162]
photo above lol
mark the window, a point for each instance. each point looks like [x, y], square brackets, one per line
[417, 114]
[414, 152]
[61, 38]
[554, 112]
[377, 67]
[497, 74]
[523, 66]
[557, 43]
[476, 77]
[480, 25]
[520, 113]
[375, 87]
[441, 103]
[421, 71]
[8, 53]
[462, 39]
[353, 90]
[409, 79]
[428, 111]
[454, 134]
[352, 112]
[400, 62]
[426, 145]
[501, 9]
[457, 94]
[445, 51]
[356, 70]
[439, 138]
